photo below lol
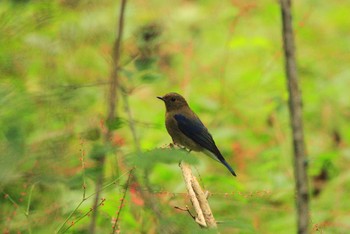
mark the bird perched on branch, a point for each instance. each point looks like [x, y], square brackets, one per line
[186, 129]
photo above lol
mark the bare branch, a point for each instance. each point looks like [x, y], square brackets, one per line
[188, 178]
[203, 202]
[187, 210]
[127, 184]
[198, 198]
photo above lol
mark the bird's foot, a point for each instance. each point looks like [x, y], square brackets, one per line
[175, 145]
[186, 149]
[178, 146]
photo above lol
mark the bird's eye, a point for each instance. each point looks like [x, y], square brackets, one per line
[173, 99]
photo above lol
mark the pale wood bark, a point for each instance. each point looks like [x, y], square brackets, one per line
[205, 217]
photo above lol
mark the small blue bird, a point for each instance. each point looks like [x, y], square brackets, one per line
[186, 129]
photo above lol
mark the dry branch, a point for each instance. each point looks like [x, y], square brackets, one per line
[198, 198]
[188, 178]
[203, 202]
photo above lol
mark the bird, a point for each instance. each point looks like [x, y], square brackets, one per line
[187, 130]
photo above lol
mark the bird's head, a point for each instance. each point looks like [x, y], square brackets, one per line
[173, 101]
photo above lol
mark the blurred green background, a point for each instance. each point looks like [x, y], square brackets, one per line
[225, 57]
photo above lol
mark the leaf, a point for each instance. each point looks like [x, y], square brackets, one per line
[93, 172]
[150, 158]
[150, 77]
[114, 124]
[98, 151]
[128, 74]
[92, 134]
[142, 64]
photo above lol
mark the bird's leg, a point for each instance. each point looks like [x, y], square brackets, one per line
[175, 145]
[188, 151]
[178, 145]
[185, 149]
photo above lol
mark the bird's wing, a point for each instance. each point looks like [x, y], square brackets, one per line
[196, 131]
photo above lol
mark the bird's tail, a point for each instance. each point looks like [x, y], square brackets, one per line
[228, 167]
[221, 160]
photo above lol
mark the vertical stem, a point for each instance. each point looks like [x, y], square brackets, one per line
[115, 69]
[131, 120]
[127, 184]
[112, 102]
[295, 109]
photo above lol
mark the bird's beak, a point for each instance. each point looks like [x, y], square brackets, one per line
[161, 98]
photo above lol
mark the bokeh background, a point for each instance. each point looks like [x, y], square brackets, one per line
[225, 57]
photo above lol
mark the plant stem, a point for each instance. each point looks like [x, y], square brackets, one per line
[295, 110]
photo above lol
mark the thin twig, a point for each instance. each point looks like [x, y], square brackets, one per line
[28, 207]
[17, 206]
[130, 119]
[187, 210]
[127, 184]
[69, 216]
[83, 216]
[86, 198]
[107, 185]
[83, 168]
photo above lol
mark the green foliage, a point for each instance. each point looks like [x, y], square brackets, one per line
[92, 134]
[144, 63]
[98, 151]
[149, 159]
[115, 123]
